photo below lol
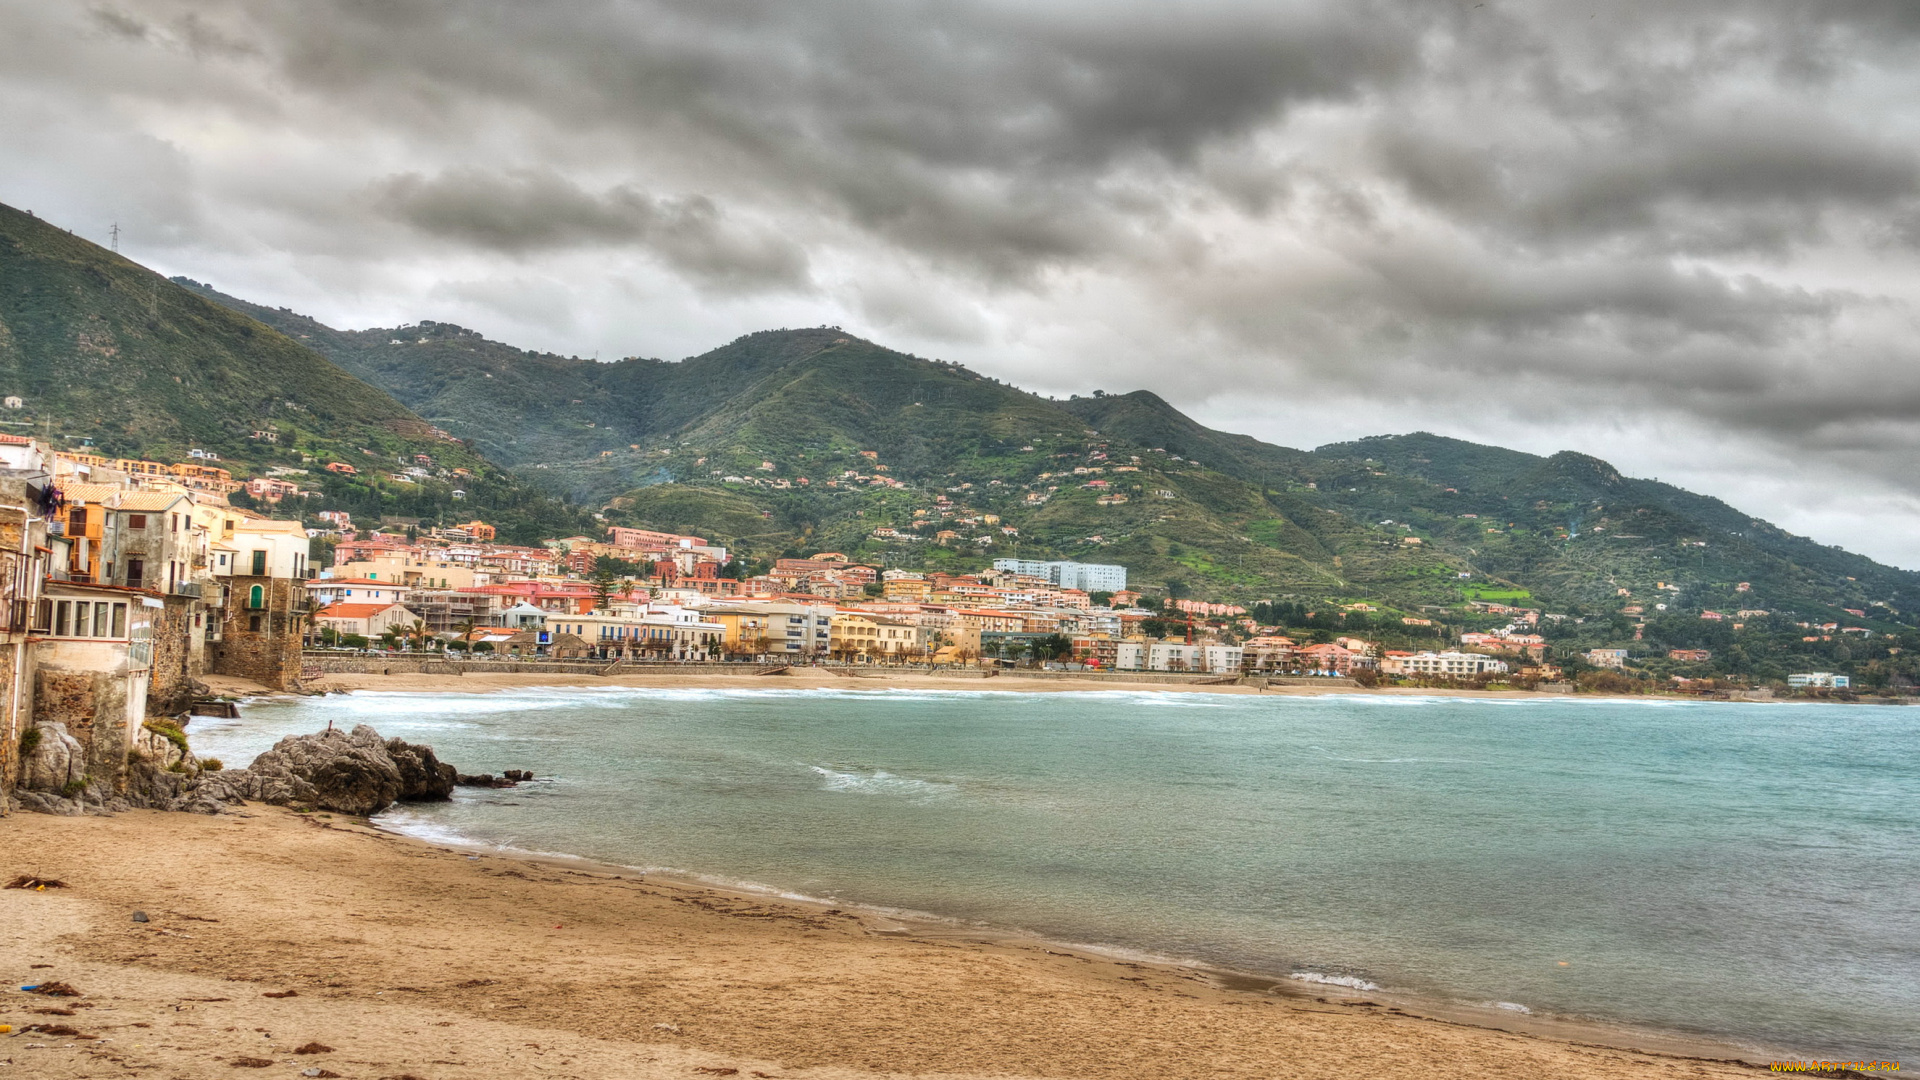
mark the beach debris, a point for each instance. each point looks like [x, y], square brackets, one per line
[313, 1048]
[60, 1031]
[52, 989]
[6, 1029]
[251, 1063]
[141, 916]
[53, 1012]
[37, 884]
[712, 1070]
[670, 1028]
[318, 1071]
[281, 993]
[476, 982]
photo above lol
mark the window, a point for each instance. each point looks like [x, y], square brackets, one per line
[136, 572]
[253, 623]
[119, 620]
[259, 565]
[77, 521]
[257, 596]
[136, 521]
[100, 615]
[43, 616]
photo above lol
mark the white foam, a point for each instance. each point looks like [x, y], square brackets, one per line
[1510, 1006]
[881, 782]
[1348, 981]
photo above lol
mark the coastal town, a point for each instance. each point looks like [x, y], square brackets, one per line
[131, 581]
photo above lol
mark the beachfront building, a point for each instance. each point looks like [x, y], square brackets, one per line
[878, 638]
[650, 631]
[789, 629]
[1178, 656]
[369, 619]
[1824, 680]
[1442, 665]
[1613, 658]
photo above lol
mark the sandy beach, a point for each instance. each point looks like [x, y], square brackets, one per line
[811, 678]
[271, 930]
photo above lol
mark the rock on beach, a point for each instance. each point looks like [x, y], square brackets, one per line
[356, 772]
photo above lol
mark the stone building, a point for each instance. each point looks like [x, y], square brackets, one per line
[27, 499]
[91, 668]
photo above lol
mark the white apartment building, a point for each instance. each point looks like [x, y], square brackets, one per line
[1087, 577]
[1451, 665]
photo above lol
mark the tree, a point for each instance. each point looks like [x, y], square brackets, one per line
[602, 582]
[1052, 647]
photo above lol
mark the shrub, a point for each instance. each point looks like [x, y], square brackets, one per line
[73, 787]
[168, 731]
[29, 739]
[212, 764]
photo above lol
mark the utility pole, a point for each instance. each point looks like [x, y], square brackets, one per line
[115, 232]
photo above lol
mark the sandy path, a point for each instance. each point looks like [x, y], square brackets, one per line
[411, 960]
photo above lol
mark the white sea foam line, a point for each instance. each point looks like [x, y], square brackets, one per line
[1509, 1006]
[1329, 756]
[1349, 981]
[880, 782]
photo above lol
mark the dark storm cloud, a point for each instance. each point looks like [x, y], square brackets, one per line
[525, 211]
[1704, 213]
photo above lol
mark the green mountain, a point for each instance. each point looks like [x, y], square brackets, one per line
[108, 356]
[1409, 521]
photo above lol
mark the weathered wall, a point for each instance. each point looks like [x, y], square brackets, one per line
[101, 710]
[15, 715]
[171, 691]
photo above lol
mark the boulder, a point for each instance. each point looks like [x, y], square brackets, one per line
[355, 772]
[423, 777]
[57, 760]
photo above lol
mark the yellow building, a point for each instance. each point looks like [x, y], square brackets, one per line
[876, 638]
[909, 590]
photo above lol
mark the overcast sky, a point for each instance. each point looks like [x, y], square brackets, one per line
[1680, 237]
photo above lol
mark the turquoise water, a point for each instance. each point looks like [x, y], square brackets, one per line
[1750, 872]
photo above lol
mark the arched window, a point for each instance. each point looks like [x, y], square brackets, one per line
[257, 597]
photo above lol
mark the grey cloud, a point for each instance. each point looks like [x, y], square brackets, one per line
[533, 210]
[1710, 215]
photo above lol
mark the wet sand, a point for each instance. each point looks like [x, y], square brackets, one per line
[411, 959]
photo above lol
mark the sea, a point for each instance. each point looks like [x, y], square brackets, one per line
[1746, 873]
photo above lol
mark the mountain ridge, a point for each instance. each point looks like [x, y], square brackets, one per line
[1340, 519]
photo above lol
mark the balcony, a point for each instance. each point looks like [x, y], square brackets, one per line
[187, 588]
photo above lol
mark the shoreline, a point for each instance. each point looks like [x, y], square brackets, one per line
[416, 956]
[1608, 1034]
[830, 678]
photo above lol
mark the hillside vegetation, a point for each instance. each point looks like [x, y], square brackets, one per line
[106, 356]
[754, 443]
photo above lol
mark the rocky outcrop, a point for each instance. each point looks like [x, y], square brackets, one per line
[355, 772]
[57, 762]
